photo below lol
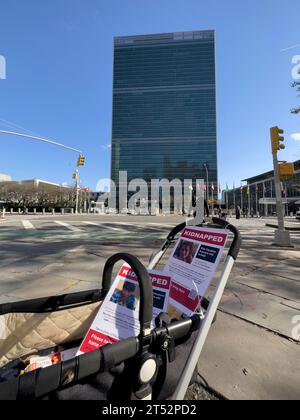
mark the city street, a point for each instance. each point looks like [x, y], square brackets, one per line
[47, 255]
[53, 255]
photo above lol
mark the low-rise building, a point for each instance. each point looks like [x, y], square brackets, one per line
[258, 195]
[35, 193]
[4, 177]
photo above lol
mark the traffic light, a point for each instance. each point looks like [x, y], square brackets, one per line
[276, 139]
[75, 175]
[80, 161]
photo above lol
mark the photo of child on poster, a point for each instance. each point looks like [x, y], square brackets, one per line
[125, 295]
[118, 316]
[185, 251]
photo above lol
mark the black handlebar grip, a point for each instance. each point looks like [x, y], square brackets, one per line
[237, 240]
[176, 230]
[145, 284]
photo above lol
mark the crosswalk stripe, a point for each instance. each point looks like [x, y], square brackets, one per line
[66, 225]
[103, 225]
[27, 224]
[91, 223]
[153, 226]
[113, 226]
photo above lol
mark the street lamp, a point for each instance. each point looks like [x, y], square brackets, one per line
[42, 139]
[81, 158]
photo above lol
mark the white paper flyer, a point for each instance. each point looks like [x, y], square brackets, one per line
[118, 317]
[192, 265]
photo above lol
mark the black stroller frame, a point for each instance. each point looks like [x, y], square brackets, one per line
[144, 358]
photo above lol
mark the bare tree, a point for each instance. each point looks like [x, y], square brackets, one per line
[32, 198]
[296, 85]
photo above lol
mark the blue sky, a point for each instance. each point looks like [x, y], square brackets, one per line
[59, 78]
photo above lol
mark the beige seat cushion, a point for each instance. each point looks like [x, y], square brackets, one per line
[23, 334]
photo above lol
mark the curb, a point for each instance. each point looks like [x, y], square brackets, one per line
[291, 229]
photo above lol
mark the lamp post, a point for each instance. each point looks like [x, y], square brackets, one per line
[53, 143]
[42, 139]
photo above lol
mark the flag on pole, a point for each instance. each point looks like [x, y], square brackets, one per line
[281, 187]
[284, 189]
[212, 188]
[264, 188]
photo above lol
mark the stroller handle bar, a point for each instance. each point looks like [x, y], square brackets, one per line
[145, 287]
[237, 239]
[41, 382]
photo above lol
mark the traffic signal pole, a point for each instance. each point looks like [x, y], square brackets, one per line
[80, 162]
[279, 203]
[282, 236]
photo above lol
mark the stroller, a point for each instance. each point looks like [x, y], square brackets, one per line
[158, 364]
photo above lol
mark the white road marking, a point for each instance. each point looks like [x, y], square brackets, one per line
[66, 225]
[91, 223]
[27, 224]
[151, 226]
[103, 226]
[143, 224]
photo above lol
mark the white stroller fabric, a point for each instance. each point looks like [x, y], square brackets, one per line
[22, 334]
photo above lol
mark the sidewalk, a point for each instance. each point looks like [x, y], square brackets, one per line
[250, 352]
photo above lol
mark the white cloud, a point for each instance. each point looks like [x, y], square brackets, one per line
[296, 136]
[106, 147]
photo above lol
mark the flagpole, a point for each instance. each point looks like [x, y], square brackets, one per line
[212, 189]
[264, 197]
[233, 197]
[242, 205]
[226, 197]
[256, 199]
[286, 204]
[249, 200]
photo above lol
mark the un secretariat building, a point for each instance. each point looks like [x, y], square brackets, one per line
[164, 107]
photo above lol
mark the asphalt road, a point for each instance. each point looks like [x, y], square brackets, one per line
[44, 255]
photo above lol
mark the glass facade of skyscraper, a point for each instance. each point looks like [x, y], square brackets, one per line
[164, 107]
